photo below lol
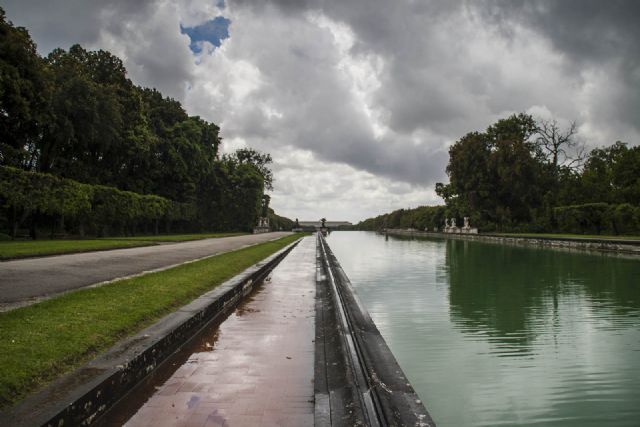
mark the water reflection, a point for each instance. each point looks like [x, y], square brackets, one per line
[501, 335]
[509, 293]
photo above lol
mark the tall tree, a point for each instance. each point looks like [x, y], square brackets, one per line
[560, 146]
[496, 176]
[24, 90]
[260, 160]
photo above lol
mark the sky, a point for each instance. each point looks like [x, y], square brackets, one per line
[358, 101]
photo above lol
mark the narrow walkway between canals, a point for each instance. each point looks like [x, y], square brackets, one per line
[256, 369]
[28, 280]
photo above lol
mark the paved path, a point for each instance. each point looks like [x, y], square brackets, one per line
[28, 280]
[259, 371]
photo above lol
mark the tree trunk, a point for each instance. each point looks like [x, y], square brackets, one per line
[14, 223]
[33, 231]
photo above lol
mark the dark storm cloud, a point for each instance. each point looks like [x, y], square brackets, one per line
[585, 30]
[591, 33]
[430, 81]
[62, 23]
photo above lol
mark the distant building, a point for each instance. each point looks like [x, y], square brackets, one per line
[316, 225]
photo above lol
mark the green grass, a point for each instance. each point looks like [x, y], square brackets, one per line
[570, 236]
[40, 342]
[32, 248]
[178, 237]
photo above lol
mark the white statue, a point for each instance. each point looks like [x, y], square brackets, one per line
[466, 223]
[453, 222]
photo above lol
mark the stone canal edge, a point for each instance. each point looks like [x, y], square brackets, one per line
[614, 246]
[357, 380]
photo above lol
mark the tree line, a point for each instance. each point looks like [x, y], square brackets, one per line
[522, 175]
[75, 115]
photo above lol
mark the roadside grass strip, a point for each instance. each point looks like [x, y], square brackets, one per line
[33, 248]
[40, 342]
[178, 237]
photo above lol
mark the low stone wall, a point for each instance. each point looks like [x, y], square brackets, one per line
[607, 245]
[357, 379]
[82, 396]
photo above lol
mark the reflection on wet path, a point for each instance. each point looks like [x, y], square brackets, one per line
[257, 367]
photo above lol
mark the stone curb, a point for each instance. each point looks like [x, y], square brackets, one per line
[81, 396]
[587, 244]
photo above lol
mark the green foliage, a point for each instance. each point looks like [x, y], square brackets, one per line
[582, 219]
[624, 218]
[31, 195]
[598, 218]
[24, 93]
[420, 218]
[277, 222]
[505, 180]
[496, 175]
[47, 194]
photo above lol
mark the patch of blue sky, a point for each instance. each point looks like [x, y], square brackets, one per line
[212, 31]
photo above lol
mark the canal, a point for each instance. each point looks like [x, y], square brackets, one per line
[493, 335]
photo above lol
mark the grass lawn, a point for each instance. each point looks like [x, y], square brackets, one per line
[570, 236]
[177, 237]
[31, 248]
[42, 341]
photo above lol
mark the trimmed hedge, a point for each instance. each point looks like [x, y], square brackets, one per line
[421, 218]
[597, 218]
[35, 198]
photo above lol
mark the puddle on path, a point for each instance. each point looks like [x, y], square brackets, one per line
[253, 368]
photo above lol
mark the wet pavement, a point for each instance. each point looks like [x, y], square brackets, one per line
[257, 368]
[26, 281]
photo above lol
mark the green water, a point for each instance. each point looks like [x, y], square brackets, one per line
[498, 335]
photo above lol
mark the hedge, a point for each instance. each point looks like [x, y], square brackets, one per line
[597, 218]
[30, 197]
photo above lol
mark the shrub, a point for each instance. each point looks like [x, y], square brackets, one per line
[31, 195]
[589, 218]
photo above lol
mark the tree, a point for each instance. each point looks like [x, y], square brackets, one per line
[495, 176]
[24, 94]
[626, 176]
[469, 174]
[516, 167]
[87, 140]
[560, 146]
[260, 161]
[612, 174]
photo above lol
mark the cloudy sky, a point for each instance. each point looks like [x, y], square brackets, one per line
[358, 100]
